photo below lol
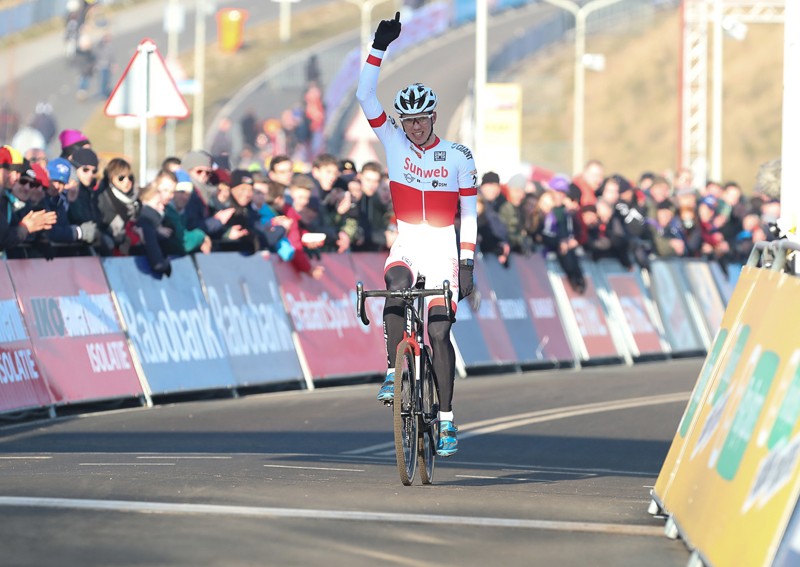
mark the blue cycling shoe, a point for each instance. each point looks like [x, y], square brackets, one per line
[386, 393]
[448, 443]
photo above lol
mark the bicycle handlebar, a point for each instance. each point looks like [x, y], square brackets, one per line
[405, 293]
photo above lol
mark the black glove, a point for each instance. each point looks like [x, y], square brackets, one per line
[465, 281]
[387, 32]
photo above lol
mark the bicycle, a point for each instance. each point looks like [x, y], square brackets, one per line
[415, 406]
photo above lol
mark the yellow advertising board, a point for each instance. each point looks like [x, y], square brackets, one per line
[737, 483]
[718, 354]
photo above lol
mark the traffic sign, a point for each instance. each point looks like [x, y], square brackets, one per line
[146, 88]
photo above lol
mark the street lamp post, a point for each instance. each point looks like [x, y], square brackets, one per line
[202, 9]
[581, 14]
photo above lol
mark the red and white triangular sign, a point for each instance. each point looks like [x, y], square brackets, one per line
[146, 87]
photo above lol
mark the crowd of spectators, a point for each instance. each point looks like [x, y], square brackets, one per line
[197, 203]
[76, 204]
[609, 216]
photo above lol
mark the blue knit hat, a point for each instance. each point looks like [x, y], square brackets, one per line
[59, 169]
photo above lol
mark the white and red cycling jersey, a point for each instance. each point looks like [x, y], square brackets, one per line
[426, 184]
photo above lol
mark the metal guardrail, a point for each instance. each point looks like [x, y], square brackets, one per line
[773, 255]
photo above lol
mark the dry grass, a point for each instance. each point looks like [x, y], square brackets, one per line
[632, 106]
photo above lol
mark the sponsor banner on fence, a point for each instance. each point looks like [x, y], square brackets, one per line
[669, 295]
[730, 333]
[529, 344]
[246, 304]
[170, 326]
[481, 334]
[587, 315]
[726, 278]
[75, 330]
[628, 292]
[705, 291]
[738, 481]
[22, 384]
[323, 313]
[531, 271]
[368, 268]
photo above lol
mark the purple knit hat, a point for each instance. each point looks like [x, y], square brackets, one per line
[70, 137]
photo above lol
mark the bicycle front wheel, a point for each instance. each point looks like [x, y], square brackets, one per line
[428, 422]
[405, 415]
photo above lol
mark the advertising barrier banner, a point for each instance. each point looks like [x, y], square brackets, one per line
[74, 328]
[705, 291]
[586, 314]
[334, 341]
[22, 384]
[531, 271]
[170, 326]
[630, 297]
[718, 355]
[246, 304]
[726, 278]
[669, 295]
[737, 483]
[481, 335]
[530, 346]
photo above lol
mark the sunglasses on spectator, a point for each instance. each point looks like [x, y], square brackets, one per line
[88, 169]
[32, 183]
[200, 170]
[122, 178]
[415, 119]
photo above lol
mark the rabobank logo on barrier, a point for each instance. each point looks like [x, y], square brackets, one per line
[170, 326]
[245, 302]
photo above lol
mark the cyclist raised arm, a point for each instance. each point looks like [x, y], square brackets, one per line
[428, 179]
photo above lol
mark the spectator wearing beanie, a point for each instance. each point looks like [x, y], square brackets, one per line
[59, 170]
[83, 210]
[14, 230]
[200, 167]
[72, 140]
[491, 191]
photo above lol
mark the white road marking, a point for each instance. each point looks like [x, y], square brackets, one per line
[298, 513]
[520, 420]
[312, 468]
[171, 456]
[126, 464]
[10, 457]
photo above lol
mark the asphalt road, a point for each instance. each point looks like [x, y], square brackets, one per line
[554, 468]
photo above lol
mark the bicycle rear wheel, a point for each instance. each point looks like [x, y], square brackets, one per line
[429, 425]
[404, 408]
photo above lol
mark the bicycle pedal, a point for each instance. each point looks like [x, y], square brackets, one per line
[388, 402]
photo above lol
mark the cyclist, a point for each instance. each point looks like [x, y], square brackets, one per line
[428, 179]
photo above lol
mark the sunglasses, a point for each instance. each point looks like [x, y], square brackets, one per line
[88, 169]
[205, 171]
[32, 183]
[415, 119]
[122, 178]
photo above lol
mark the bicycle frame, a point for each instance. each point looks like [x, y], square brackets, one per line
[416, 416]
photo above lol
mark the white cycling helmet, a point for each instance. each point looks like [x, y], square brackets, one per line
[415, 99]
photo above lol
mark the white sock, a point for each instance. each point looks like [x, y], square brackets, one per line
[389, 372]
[445, 416]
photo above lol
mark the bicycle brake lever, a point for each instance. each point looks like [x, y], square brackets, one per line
[448, 295]
[360, 311]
